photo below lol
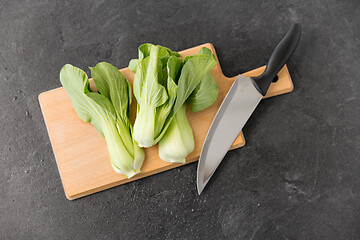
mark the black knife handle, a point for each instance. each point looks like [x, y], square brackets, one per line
[278, 58]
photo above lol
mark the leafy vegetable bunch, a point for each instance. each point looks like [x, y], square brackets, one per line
[108, 110]
[163, 84]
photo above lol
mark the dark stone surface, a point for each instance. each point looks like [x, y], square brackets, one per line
[298, 177]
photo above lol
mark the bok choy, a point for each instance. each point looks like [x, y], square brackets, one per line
[163, 84]
[155, 91]
[108, 110]
[178, 140]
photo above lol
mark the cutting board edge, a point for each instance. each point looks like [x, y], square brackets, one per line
[71, 196]
[127, 180]
[40, 97]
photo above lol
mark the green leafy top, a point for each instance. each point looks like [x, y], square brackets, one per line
[112, 85]
[90, 107]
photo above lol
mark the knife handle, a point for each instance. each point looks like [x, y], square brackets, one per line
[278, 58]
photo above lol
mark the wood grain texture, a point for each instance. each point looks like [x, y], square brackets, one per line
[81, 153]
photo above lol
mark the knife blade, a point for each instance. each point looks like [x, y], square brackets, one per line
[240, 102]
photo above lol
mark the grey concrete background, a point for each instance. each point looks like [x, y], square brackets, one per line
[298, 177]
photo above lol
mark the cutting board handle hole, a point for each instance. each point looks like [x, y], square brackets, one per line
[276, 78]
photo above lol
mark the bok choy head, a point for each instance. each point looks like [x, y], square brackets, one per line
[197, 87]
[155, 87]
[163, 83]
[107, 110]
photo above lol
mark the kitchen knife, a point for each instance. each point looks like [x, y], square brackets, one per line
[238, 105]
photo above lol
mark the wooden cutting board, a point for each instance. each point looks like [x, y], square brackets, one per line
[81, 153]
